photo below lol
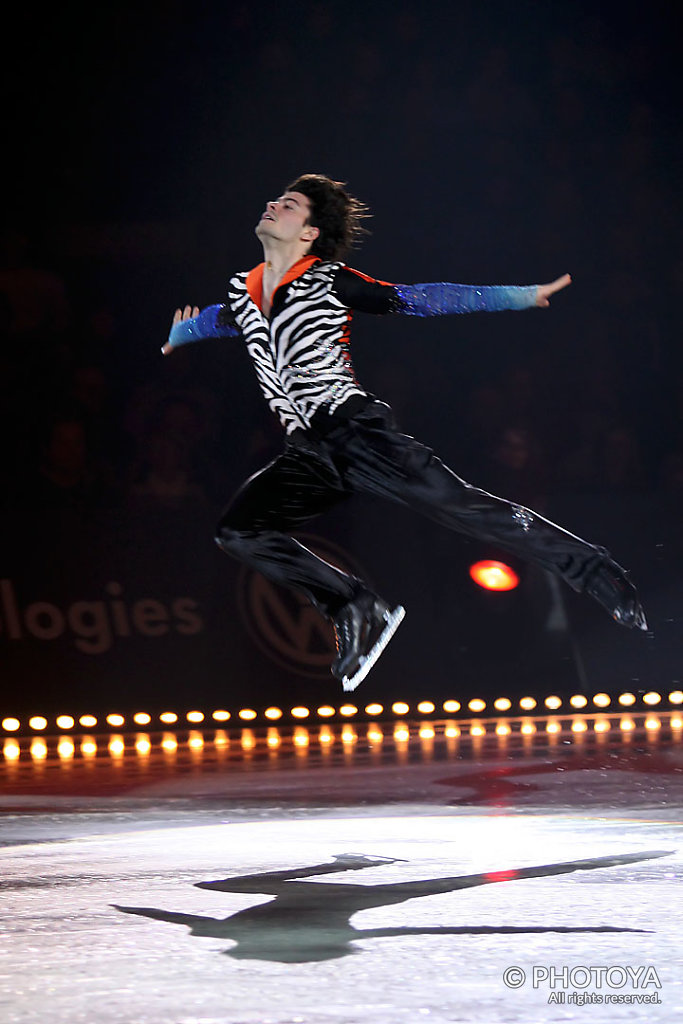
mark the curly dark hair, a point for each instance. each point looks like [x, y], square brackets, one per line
[335, 212]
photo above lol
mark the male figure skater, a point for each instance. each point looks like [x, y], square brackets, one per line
[294, 312]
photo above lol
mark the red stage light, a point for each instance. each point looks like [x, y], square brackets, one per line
[494, 575]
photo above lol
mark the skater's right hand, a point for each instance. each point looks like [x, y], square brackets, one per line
[180, 314]
[544, 291]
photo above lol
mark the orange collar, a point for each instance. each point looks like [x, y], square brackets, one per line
[255, 278]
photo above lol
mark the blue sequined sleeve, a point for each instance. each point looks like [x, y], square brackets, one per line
[211, 323]
[441, 298]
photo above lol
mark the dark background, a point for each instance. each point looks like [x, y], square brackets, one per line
[495, 143]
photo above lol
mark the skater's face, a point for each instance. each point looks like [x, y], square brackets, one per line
[287, 220]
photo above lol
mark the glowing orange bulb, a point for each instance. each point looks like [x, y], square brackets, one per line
[494, 575]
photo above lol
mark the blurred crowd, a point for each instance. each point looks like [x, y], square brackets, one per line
[601, 413]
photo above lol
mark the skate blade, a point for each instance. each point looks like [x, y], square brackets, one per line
[641, 621]
[393, 621]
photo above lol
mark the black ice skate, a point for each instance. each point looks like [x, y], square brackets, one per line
[610, 586]
[362, 629]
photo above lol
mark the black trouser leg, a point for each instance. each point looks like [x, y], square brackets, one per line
[515, 528]
[367, 453]
[299, 485]
[380, 460]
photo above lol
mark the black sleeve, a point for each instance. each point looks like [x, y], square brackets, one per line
[226, 318]
[364, 293]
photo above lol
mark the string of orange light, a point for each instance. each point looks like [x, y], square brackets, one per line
[552, 703]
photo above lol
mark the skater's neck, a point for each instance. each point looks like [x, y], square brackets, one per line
[279, 267]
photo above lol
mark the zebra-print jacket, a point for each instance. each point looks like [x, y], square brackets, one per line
[301, 351]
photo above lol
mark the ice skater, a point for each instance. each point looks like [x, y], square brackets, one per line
[294, 313]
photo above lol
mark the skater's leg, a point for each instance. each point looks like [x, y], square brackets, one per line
[443, 496]
[300, 484]
[386, 462]
[297, 486]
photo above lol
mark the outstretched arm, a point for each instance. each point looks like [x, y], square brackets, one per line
[443, 298]
[191, 325]
[273, 882]
[357, 291]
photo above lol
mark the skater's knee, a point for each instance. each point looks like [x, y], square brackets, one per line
[233, 539]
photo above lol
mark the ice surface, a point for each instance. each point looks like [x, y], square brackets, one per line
[389, 898]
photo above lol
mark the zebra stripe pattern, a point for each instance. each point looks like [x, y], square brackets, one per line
[301, 355]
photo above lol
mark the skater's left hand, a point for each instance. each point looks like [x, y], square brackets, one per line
[544, 291]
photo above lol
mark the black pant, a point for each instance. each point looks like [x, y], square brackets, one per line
[338, 457]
